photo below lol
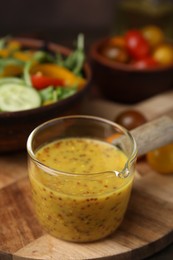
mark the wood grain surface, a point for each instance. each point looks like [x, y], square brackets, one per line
[146, 229]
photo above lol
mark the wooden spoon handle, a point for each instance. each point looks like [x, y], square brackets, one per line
[154, 134]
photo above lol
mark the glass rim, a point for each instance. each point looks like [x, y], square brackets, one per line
[55, 172]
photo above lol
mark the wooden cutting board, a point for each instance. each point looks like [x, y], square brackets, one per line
[146, 229]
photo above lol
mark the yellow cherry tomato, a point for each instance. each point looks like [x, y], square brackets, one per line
[153, 34]
[161, 160]
[163, 54]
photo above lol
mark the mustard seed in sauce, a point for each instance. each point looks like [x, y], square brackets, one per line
[87, 206]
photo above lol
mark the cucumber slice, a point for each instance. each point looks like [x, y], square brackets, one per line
[11, 80]
[14, 97]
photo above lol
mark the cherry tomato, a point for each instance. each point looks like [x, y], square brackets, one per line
[117, 41]
[130, 119]
[161, 159]
[115, 53]
[147, 62]
[40, 81]
[163, 54]
[111, 138]
[136, 44]
[153, 34]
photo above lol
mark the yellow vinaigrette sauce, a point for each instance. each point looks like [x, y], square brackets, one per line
[86, 206]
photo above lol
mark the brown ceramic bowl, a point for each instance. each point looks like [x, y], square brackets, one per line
[16, 126]
[123, 83]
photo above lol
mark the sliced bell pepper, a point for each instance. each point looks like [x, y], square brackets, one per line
[23, 55]
[4, 53]
[12, 70]
[55, 71]
[13, 45]
[40, 81]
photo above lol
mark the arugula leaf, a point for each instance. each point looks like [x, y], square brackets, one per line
[75, 60]
[42, 56]
[26, 74]
[47, 94]
[54, 94]
[63, 92]
[59, 59]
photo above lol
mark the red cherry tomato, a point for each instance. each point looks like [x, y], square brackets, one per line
[115, 53]
[117, 41]
[136, 44]
[130, 119]
[41, 81]
[147, 62]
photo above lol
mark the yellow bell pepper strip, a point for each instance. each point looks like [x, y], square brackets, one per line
[23, 55]
[4, 53]
[36, 59]
[12, 70]
[56, 71]
[13, 45]
[10, 67]
[6, 49]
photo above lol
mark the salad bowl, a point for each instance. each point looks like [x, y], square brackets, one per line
[16, 123]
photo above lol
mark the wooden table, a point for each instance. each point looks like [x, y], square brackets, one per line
[146, 229]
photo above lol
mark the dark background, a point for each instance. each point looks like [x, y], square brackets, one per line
[59, 20]
[62, 20]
